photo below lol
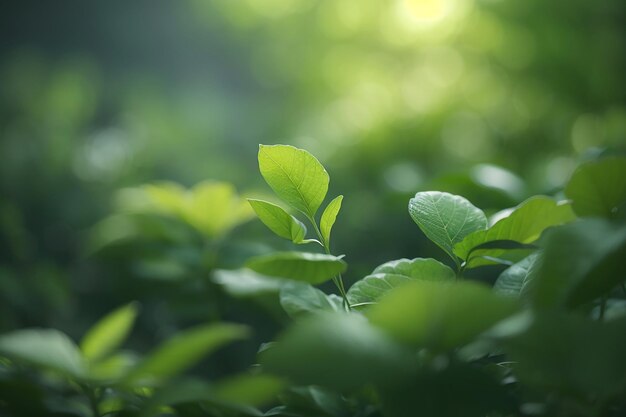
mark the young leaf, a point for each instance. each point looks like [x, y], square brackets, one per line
[109, 333]
[524, 225]
[445, 218]
[581, 261]
[183, 350]
[335, 350]
[313, 268]
[299, 299]
[440, 316]
[295, 175]
[45, 348]
[392, 274]
[514, 280]
[279, 221]
[328, 218]
[598, 188]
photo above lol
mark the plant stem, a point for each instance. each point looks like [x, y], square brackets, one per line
[93, 400]
[338, 280]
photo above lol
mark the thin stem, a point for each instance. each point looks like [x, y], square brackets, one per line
[93, 400]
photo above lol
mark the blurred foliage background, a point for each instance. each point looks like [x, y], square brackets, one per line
[495, 100]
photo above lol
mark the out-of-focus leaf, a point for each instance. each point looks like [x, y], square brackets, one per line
[581, 261]
[45, 348]
[598, 188]
[250, 390]
[109, 333]
[309, 401]
[299, 298]
[513, 281]
[440, 316]
[392, 274]
[524, 225]
[336, 350]
[571, 354]
[278, 220]
[329, 216]
[113, 367]
[445, 218]
[295, 175]
[184, 350]
[313, 268]
[243, 283]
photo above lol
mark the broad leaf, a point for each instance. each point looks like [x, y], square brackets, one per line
[335, 350]
[298, 299]
[295, 175]
[45, 348]
[313, 268]
[248, 389]
[184, 350]
[109, 333]
[328, 218]
[389, 275]
[514, 280]
[440, 316]
[244, 283]
[445, 218]
[279, 221]
[598, 188]
[524, 225]
[581, 261]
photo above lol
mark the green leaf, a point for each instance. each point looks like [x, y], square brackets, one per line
[440, 316]
[244, 283]
[328, 218]
[514, 280]
[109, 333]
[45, 348]
[184, 350]
[336, 350]
[295, 175]
[313, 268]
[445, 218]
[581, 261]
[247, 389]
[392, 274]
[299, 298]
[524, 225]
[279, 221]
[598, 188]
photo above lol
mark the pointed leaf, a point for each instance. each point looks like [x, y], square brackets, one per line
[514, 280]
[328, 218]
[295, 175]
[299, 298]
[598, 188]
[109, 333]
[392, 274]
[524, 225]
[445, 218]
[279, 221]
[184, 350]
[313, 268]
[440, 316]
[45, 348]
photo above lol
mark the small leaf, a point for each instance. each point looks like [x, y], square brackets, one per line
[598, 188]
[278, 220]
[392, 274]
[295, 175]
[328, 218]
[109, 333]
[581, 261]
[313, 268]
[514, 280]
[336, 350]
[299, 298]
[45, 348]
[184, 350]
[445, 218]
[440, 316]
[524, 225]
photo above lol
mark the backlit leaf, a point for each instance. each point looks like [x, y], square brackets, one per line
[278, 220]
